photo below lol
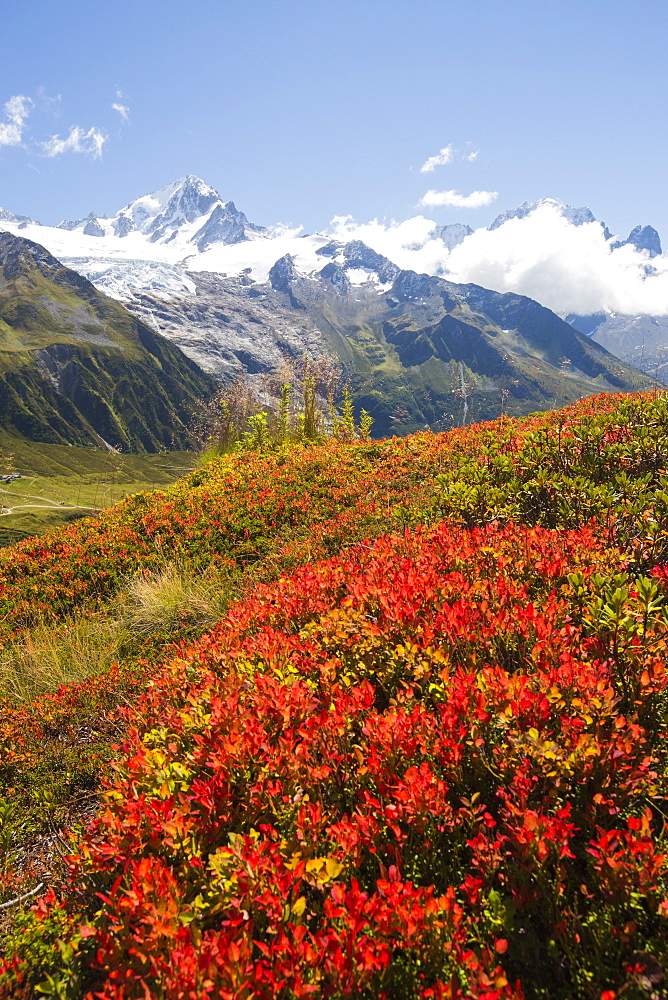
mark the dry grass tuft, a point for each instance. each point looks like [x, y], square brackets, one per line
[168, 600]
[51, 655]
[172, 596]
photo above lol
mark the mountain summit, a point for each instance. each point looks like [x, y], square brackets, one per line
[187, 213]
[642, 238]
[576, 216]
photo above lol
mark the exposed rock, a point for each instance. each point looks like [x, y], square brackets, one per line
[644, 238]
[452, 235]
[93, 227]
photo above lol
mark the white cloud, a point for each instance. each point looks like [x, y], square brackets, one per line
[123, 111]
[17, 109]
[565, 267]
[408, 244]
[442, 158]
[446, 156]
[48, 102]
[14, 128]
[452, 199]
[76, 141]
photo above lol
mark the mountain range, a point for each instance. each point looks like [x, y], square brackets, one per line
[188, 225]
[419, 350]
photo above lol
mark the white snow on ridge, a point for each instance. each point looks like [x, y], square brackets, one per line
[120, 279]
[257, 257]
[73, 243]
[558, 255]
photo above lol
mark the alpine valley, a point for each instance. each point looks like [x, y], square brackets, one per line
[418, 349]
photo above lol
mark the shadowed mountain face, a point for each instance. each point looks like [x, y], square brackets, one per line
[77, 368]
[429, 352]
[638, 340]
[418, 351]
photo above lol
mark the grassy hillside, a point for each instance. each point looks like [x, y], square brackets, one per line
[421, 752]
[77, 368]
[59, 483]
[430, 353]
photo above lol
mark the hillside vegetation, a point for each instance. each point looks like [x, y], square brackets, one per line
[385, 719]
[76, 368]
[61, 483]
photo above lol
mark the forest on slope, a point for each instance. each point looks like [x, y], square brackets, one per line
[379, 719]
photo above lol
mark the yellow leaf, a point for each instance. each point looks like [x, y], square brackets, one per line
[333, 868]
[323, 869]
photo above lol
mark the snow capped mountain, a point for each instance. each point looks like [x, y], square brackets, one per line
[235, 296]
[188, 214]
[148, 243]
[640, 237]
[560, 255]
[19, 220]
[576, 216]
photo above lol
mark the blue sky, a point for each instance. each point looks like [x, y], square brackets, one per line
[301, 110]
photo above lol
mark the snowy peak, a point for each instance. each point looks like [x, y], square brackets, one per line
[576, 216]
[227, 225]
[643, 238]
[162, 214]
[359, 260]
[20, 220]
[186, 213]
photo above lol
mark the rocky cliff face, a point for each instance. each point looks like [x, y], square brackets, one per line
[643, 238]
[639, 340]
[230, 325]
[417, 350]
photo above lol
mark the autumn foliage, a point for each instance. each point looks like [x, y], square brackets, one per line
[423, 755]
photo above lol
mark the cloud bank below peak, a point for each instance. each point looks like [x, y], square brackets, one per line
[568, 268]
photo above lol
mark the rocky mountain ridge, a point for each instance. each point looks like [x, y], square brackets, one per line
[187, 212]
[233, 296]
[417, 350]
[188, 225]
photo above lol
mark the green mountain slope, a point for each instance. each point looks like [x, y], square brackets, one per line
[424, 351]
[77, 368]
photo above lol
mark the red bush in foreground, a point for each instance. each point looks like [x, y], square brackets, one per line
[431, 768]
